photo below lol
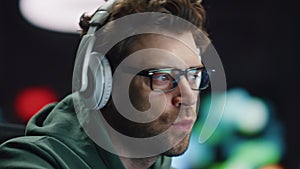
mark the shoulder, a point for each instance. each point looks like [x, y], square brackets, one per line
[25, 152]
[38, 152]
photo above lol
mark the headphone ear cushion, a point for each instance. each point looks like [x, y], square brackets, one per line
[99, 82]
[107, 82]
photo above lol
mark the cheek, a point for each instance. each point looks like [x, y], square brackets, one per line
[144, 99]
[197, 106]
[139, 94]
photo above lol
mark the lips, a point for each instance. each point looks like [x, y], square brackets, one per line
[183, 125]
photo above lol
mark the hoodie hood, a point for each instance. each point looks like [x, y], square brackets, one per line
[60, 121]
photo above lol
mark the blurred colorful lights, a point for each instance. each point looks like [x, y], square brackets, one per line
[30, 100]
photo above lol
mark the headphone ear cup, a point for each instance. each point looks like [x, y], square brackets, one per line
[92, 77]
[99, 82]
[107, 88]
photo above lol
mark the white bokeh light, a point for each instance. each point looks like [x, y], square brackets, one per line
[57, 15]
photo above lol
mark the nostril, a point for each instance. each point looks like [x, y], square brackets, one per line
[176, 101]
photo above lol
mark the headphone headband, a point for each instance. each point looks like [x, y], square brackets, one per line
[100, 16]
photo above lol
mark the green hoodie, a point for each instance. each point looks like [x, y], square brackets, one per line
[55, 139]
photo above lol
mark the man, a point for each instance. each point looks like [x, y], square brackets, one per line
[165, 77]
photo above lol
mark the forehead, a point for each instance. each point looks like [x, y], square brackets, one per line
[159, 51]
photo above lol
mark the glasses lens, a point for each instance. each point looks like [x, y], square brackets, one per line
[198, 78]
[194, 78]
[162, 81]
[204, 80]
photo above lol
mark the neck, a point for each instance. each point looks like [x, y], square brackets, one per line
[138, 163]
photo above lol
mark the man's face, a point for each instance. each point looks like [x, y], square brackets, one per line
[177, 107]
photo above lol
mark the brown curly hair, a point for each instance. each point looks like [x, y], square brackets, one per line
[190, 10]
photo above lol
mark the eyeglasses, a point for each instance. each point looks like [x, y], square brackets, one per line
[167, 79]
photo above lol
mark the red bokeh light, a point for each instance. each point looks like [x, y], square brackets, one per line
[29, 101]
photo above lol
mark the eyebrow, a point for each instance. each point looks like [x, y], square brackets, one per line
[129, 69]
[168, 67]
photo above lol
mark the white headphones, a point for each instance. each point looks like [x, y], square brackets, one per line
[92, 76]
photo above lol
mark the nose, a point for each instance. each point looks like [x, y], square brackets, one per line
[184, 95]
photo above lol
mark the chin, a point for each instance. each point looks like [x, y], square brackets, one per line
[180, 148]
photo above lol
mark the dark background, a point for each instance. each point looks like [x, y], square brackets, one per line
[256, 40]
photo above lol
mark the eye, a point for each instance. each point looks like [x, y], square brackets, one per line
[162, 77]
[162, 81]
[195, 75]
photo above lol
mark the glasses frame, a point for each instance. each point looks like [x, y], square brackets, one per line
[150, 72]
